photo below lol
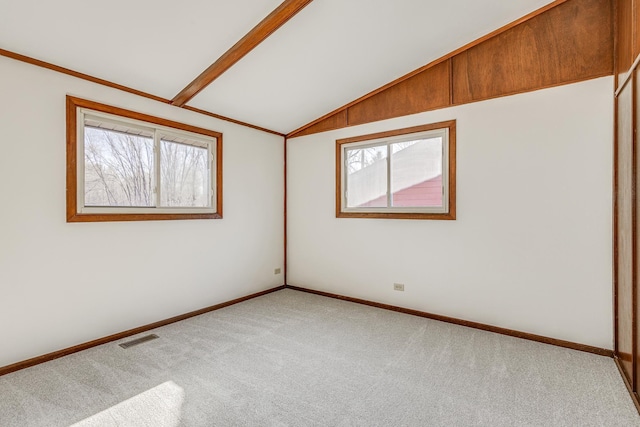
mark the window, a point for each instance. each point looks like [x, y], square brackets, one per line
[405, 173]
[124, 166]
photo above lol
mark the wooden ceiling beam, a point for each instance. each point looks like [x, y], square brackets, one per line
[287, 10]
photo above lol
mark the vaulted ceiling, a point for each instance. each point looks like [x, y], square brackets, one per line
[328, 54]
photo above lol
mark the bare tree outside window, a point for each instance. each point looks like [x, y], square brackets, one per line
[361, 158]
[119, 171]
[118, 168]
[184, 175]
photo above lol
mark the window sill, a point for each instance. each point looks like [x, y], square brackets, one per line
[450, 216]
[139, 217]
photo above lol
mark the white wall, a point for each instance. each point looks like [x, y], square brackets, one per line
[531, 247]
[63, 284]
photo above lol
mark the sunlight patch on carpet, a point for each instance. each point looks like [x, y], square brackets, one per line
[159, 406]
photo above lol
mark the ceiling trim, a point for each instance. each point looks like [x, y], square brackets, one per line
[87, 77]
[283, 13]
[69, 72]
[468, 46]
[228, 119]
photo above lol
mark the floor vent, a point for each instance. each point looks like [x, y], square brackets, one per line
[138, 341]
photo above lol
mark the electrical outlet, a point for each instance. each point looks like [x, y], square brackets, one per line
[398, 287]
[277, 270]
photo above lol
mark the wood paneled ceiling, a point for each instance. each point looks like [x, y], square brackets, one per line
[307, 59]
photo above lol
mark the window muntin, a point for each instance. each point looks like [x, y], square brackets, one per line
[132, 166]
[405, 173]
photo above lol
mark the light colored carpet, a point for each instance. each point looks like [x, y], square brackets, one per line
[295, 359]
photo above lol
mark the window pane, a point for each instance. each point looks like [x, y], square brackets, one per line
[366, 177]
[416, 173]
[118, 168]
[184, 175]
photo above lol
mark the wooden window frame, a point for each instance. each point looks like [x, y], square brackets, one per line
[451, 212]
[73, 215]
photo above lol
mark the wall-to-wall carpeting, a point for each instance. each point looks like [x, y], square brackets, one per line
[296, 359]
